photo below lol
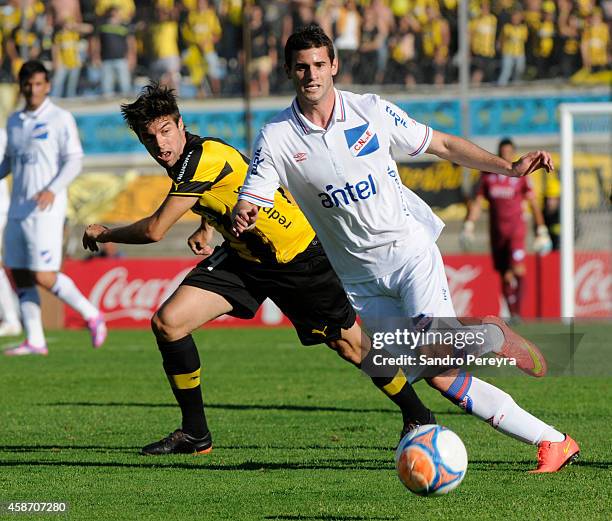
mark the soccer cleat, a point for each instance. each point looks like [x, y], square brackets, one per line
[528, 357]
[26, 349]
[410, 425]
[553, 456]
[179, 442]
[10, 329]
[97, 329]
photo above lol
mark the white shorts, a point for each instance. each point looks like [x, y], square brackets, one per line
[404, 299]
[34, 243]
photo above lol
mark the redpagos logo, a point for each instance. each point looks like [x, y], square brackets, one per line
[593, 289]
[118, 297]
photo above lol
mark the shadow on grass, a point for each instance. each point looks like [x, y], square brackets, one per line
[240, 407]
[327, 517]
[354, 464]
[340, 464]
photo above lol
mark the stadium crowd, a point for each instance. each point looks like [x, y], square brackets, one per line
[101, 47]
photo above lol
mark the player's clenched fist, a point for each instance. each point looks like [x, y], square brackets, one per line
[244, 217]
[198, 242]
[93, 235]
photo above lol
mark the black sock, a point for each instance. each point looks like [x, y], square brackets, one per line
[395, 385]
[182, 366]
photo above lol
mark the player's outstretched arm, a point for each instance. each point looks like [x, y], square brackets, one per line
[147, 230]
[468, 154]
[244, 217]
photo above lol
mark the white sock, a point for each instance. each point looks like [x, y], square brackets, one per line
[29, 304]
[8, 306]
[498, 408]
[66, 290]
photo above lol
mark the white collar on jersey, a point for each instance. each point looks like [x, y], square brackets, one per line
[308, 126]
[35, 113]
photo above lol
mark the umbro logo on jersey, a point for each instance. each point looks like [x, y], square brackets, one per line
[299, 157]
[40, 131]
[361, 140]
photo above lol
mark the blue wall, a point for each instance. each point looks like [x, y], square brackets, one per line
[498, 116]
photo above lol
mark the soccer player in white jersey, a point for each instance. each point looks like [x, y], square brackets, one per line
[10, 325]
[332, 150]
[44, 155]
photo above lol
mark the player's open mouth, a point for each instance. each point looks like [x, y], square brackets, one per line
[164, 156]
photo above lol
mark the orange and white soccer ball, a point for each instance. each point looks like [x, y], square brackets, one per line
[431, 460]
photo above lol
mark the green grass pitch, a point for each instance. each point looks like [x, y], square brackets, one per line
[299, 434]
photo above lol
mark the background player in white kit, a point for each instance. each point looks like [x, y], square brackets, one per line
[44, 155]
[331, 149]
[9, 313]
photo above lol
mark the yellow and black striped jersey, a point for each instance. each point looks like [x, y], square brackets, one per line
[215, 171]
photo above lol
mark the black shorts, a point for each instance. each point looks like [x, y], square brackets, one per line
[307, 290]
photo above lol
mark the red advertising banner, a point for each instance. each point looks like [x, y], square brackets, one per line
[129, 291]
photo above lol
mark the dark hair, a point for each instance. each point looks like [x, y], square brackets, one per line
[29, 68]
[154, 102]
[505, 141]
[307, 38]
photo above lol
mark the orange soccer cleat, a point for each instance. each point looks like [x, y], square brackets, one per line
[528, 357]
[553, 456]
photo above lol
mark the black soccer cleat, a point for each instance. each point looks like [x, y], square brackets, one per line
[179, 442]
[414, 424]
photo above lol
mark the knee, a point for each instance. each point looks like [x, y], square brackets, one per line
[45, 279]
[164, 329]
[509, 277]
[346, 350]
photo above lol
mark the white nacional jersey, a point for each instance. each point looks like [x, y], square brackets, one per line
[39, 145]
[346, 182]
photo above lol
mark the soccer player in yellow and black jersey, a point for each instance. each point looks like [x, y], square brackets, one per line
[279, 257]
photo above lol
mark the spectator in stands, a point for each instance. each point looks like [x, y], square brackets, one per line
[595, 42]
[263, 53]
[201, 32]
[512, 43]
[402, 66]
[371, 40]
[348, 35]
[569, 34]
[436, 43]
[483, 31]
[66, 59]
[25, 40]
[386, 26]
[546, 34]
[113, 48]
[164, 32]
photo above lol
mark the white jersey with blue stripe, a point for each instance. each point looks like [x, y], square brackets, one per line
[346, 182]
[39, 144]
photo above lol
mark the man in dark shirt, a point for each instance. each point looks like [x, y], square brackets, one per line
[114, 49]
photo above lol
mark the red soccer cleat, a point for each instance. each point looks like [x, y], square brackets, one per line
[553, 456]
[528, 357]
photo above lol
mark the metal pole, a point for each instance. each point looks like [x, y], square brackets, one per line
[246, 48]
[567, 214]
[464, 83]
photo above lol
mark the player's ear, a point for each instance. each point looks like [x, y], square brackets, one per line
[180, 124]
[334, 66]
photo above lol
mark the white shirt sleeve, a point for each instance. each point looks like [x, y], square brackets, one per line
[71, 155]
[405, 133]
[262, 178]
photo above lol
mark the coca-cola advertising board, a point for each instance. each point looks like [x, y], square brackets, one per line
[129, 291]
